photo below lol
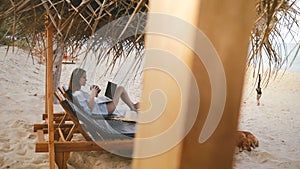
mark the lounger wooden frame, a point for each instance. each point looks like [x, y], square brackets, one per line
[66, 125]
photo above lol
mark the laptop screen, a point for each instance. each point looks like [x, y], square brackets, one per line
[110, 90]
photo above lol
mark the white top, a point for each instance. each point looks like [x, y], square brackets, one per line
[82, 98]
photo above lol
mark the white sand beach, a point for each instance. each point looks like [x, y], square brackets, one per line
[276, 122]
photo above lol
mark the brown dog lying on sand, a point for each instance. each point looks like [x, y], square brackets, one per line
[246, 140]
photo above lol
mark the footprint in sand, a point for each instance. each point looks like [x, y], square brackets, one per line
[1, 161]
[262, 157]
[5, 147]
[291, 164]
[32, 136]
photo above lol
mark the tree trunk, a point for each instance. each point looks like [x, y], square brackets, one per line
[57, 66]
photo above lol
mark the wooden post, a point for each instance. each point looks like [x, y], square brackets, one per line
[227, 25]
[49, 92]
[61, 159]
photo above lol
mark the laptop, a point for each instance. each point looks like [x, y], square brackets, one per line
[109, 93]
[110, 90]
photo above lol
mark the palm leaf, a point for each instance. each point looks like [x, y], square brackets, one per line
[76, 21]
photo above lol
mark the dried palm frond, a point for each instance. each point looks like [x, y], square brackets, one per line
[75, 21]
[81, 23]
[276, 26]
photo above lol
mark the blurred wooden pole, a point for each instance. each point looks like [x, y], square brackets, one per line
[49, 92]
[227, 24]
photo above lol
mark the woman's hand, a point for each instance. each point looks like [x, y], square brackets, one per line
[95, 90]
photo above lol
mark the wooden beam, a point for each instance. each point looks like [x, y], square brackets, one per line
[226, 25]
[44, 127]
[156, 79]
[61, 134]
[41, 137]
[61, 159]
[49, 92]
[85, 146]
[68, 146]
[45, 115]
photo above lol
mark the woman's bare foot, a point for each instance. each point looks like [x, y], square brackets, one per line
[136, 106]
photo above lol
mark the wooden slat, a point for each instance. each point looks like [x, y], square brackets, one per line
[56, 117]
[84, 146]
[45, 126]
[77, 126]
[63, 92]
[61, 159]
[61, 134]
[71, 132]
[41, 137]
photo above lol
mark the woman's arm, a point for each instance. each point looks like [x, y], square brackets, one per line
[94, 93]
[84, 100]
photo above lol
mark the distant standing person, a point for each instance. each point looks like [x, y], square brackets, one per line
[258, 90]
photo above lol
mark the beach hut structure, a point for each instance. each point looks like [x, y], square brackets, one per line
[68, 24]
[217, 21]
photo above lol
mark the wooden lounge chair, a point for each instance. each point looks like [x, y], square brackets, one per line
[119, 137]
[128, 130]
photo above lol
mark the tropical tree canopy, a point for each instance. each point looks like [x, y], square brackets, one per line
[75, 21]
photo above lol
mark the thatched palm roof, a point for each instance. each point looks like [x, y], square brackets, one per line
[76, 20]
[276, 24]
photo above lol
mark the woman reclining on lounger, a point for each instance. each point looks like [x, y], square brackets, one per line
[87, 101]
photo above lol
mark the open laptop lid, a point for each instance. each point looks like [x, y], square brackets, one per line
[110, 89]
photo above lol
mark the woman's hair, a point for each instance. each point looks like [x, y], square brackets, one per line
[74, 84]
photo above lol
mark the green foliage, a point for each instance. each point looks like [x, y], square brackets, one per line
[5, 38]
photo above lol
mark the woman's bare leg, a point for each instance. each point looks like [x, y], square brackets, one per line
[121, 93]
